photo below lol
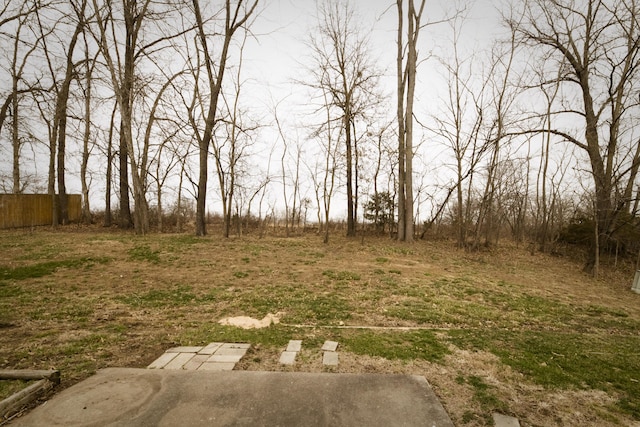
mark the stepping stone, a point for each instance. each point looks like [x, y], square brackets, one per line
[179, 361]
[217, 366]
[288, 357]
[184, 350]
[211, 348]
[330, 358]
[195, 362]
[161, 361]
[500, 420]
[330, 346]
[224, 358]
[294, 345]
[239, 352]
[216, 356]
[236, 345]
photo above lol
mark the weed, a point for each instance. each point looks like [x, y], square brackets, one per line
[240, 274]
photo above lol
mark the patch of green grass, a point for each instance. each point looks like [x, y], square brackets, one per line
[10, 291]
[397, 345]
[341, 275]
[157, 298]
[325, 308]
[240, 274]
[77, 313]
[205, 333]
[483, 394]
[382, 260]
[177, 243]
[46, 268]
[566, 360]
[144, 253]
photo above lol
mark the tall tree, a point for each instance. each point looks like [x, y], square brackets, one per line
[343, 67]
[61, 87]
[597, 45]
[235, 17]
[406, 85]
[25, 42]
[122, 71]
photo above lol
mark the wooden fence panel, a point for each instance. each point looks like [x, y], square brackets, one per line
[28, 210]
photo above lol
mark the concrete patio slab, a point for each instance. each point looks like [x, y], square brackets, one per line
[157, 397]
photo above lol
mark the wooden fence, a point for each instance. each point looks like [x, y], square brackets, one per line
[27, 210]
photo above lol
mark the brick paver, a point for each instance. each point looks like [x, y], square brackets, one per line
[179, 361]
[216, 356]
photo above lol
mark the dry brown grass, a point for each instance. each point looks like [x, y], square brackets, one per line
[112, 299]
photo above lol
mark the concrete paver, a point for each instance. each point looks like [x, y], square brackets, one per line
[222, 351]
[161, 361]
[195, 362]
[245, 346]
[192, 358]
[294, 345]
[136, 397]
[225, 358]
[329, 346]
[330, 358]
[184, 350]
[500, 420]
[288, 357]
[179, 361]
[211, 348]
[217, 366]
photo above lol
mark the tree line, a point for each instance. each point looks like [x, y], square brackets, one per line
[535, 134]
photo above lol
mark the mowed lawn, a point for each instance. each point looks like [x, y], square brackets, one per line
[501, 330]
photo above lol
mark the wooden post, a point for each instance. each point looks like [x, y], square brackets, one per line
[13, 403]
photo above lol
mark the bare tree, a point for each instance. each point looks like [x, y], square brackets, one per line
[90, 64]
[344, 69]
[460, 124]
[406, 84]
[121, 72]
[236, 16]
[595, 48]
[58, 128]
[25, 42]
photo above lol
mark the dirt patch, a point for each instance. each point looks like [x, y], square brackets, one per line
[246, 322]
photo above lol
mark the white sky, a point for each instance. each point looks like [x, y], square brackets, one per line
[277, 55]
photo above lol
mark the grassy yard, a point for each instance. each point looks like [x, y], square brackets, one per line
[530, 336]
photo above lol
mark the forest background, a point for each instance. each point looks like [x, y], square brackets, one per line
[523, 123]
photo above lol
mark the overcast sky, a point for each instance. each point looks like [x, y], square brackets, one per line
[278, 55]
